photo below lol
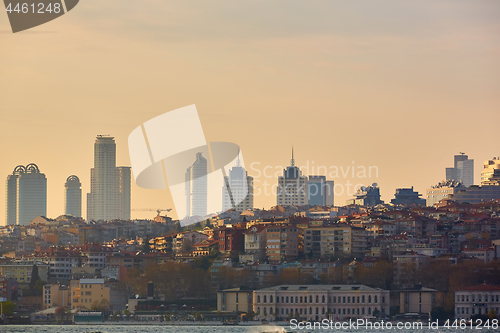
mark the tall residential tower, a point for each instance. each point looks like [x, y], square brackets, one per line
[196, 187]
[109, 196]
[26, 195]
[240, 194]
[73, 196]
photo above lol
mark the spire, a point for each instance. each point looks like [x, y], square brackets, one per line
[238, 160]
[292, 162]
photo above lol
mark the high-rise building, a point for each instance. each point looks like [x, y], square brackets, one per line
[124, 192]
[490, 175]
[73, 196]
[237, 192]
[26, 193]
[109, 196]
[292, 186]
[320, 191]
[463, 170]
[196, 187]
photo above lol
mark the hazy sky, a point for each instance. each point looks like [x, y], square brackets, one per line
[401, 85]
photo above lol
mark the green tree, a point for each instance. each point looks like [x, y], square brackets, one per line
[100, 305]
[34, 277]
[8, 307]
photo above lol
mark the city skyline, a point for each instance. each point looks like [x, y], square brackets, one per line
[342, 83]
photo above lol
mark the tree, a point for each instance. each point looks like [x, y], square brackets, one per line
[8, 307]
[146, 248]
[34, 277]
[60, 312]
[101, 305]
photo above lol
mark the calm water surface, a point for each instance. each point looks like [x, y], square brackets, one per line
[200, 329]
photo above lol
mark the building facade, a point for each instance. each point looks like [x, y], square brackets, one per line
[442, 190]
[366, 196]
[463, 170]
[292, 187]
[235, 300]
[490, 175]
[239, 197]
[477, 300]
[196, 187]
[341, 240]
[109, 196]
[318, 302]
[26, 195]
[408, 197]
[73, 196]
[320, 191]
[88, 292]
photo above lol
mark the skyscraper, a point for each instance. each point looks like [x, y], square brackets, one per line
[109, 194]
[26, 191]
[320, 191]
[240, 194]
[73, 196]
[463, 170]
[196, 187]
[124, 192]
[292, 186]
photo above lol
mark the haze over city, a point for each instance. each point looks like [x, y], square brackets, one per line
[402, 87]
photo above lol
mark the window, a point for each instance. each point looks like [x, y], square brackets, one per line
[258, 299]
[323, 299]
[317, 299]
[363, 299]
[265, 298]
[369, 300]
[271, 299]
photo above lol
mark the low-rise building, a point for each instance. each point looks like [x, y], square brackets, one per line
[318, 302]
[419, 300]
[235, 300]
[476, 300]
[21, 270]
[88, 292]
[56, 295]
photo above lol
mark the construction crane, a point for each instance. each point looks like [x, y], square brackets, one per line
[158, 210]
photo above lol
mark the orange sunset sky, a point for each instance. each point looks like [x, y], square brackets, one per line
[401, 85]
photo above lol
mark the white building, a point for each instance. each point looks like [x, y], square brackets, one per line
[442, 190]
[318, 302]
[196, 187]
[240, 194]
[292, 187]
[475, 300]
[255, 243]
[26, 195]
[109, 194]
[490, 175]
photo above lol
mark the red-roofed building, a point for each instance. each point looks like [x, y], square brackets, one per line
[476, 300]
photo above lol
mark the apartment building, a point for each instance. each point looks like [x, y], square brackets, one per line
[88, 291]
[282, 242]
[338, 240]
[21, 270]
